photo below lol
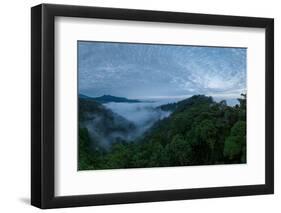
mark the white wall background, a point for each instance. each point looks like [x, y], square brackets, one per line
[15, 105]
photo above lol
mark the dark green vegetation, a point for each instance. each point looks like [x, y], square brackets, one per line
[199, 131]
[102, 124]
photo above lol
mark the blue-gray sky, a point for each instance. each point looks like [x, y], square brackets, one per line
[151, 71]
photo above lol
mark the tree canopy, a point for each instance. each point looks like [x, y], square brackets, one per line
[199, 131]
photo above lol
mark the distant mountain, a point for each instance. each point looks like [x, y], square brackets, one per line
[84, 96]
[109, 98]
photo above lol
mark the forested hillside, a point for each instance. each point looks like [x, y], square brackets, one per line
[102, 125]
[199, 131]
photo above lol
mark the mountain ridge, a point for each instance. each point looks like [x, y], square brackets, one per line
[198, 131]
[109, 98]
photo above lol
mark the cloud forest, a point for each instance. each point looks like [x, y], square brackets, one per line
[151, 105]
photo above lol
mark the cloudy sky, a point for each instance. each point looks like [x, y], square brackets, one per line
[160, 71]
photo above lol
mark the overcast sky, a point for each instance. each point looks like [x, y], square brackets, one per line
[151, 71]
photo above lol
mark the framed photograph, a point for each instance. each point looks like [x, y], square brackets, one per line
[139, 106]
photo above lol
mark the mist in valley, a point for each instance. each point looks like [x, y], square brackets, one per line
[127, 121]
[113, 122]
[143, 115]
[138, 102]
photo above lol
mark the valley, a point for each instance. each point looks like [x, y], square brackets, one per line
[116, 132]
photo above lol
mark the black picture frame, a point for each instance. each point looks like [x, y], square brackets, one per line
[43, 102]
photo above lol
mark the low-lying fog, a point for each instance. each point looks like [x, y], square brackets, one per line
[143, 114]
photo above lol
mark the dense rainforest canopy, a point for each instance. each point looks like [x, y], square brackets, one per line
[199, 131]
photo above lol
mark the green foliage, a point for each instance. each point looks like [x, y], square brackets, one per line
[198, 132]
[179, 151]
[119, 156]
[85, 157]
[235, 144]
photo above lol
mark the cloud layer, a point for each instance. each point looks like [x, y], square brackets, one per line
[149, 71]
